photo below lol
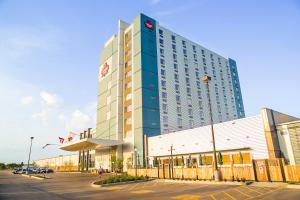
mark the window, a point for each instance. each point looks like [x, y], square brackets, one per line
[128, 74]
[173, 37]
[128, 97]
[162, 61]
[174, 56]
[202, 51]
[163, 83]
[177, 98]
[191, 123]
[164, 95]
[186, 70]
[187, 80]
[179, 110]
[198, 84]
[128, 108]
[195, 56]
[189, 101]
[161, 41]
[163, 72]
[128, 85]
[197, 75]
[175, 67]
[108, 100]
[179, 122]
[128, 121]
[165, 119]
[185, 61]
[107, 115]
[160, 32]
[161, 51]
[190, 112]
[176, 76]
[173, 46]
[183, 43]
[194, 48]
[177, 87]
[199, 93]
[184, 51]
[188, 90]
[164, 107]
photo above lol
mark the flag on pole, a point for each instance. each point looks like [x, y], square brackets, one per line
[71, 136]
[61, 140]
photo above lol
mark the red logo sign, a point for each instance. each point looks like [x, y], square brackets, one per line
[104, 70]
[148, 24]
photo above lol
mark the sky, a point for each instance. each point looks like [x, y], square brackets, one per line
[49, 59]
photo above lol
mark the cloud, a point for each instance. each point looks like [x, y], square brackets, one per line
[79, 121]
[50, 100]
[26, 100]
[43, 116]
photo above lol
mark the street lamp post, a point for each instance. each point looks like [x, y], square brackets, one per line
[217, 174]
[31, 138]
[135, 162]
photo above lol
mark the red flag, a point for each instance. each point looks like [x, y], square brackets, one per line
[61, 140]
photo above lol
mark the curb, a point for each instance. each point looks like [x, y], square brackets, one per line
[120, 183]
[200, 182]
[35, 177]
[290, 186]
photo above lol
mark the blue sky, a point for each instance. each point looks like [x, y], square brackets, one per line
[49, 54]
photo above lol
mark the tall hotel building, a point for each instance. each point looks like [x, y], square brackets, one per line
[150, 84]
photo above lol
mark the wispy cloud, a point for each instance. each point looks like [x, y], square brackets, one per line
[26, 100]
[19, 41]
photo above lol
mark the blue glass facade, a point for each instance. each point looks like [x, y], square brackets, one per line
[236, 88]
[150, 91]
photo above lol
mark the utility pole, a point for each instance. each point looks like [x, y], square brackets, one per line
[217, 174]
[172, 161]
[27, 171]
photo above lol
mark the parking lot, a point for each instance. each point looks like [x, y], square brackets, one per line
[77, 186]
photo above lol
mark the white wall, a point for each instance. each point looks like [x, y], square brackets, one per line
[240, 133]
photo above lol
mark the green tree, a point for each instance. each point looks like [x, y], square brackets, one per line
[2, 166]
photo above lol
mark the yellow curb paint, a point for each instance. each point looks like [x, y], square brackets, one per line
[111, 188]
[142, 191]
[187, 197]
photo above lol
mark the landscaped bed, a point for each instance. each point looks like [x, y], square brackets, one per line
[124, 178]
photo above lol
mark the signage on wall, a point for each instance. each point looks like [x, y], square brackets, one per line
[149, 24]
[105, 69]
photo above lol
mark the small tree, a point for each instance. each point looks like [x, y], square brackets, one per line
[2, 166]
[119, 165]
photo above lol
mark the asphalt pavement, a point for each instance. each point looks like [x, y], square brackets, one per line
[78, 186]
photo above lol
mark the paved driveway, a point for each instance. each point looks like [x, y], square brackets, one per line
[77, 186]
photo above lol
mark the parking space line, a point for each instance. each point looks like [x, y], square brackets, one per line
[252, 190]
[243, 193]
[212, 196]
[231, 197]
[267, 193]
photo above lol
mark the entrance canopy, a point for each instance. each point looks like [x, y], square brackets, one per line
[89, 144]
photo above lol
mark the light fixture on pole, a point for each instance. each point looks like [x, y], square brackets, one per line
[27, 171]
[217, 174]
